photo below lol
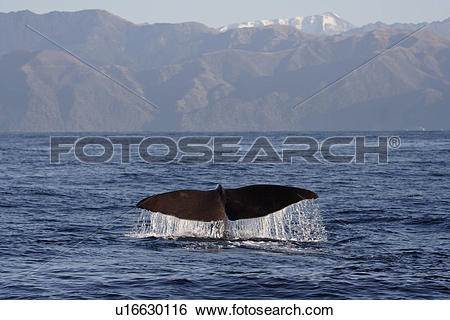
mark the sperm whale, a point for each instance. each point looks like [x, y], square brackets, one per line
[225, 204]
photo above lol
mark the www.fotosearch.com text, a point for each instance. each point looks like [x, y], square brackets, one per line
[222, 149]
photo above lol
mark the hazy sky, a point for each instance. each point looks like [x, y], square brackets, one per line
[216, 13]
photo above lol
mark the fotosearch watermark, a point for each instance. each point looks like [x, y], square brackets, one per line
[222, 149]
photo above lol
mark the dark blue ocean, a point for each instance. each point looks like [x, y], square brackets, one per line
[377, 231]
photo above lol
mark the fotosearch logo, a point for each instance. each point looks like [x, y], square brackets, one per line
[222, 149]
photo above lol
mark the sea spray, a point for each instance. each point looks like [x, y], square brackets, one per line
[298, 222]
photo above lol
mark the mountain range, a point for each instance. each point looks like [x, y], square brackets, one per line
[202, 78]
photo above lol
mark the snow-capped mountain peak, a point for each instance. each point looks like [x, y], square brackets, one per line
[327, 23]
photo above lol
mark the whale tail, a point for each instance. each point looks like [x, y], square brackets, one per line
[221, 204]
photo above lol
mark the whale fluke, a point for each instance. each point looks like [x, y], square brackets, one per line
[242, 203]
[260, 200]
